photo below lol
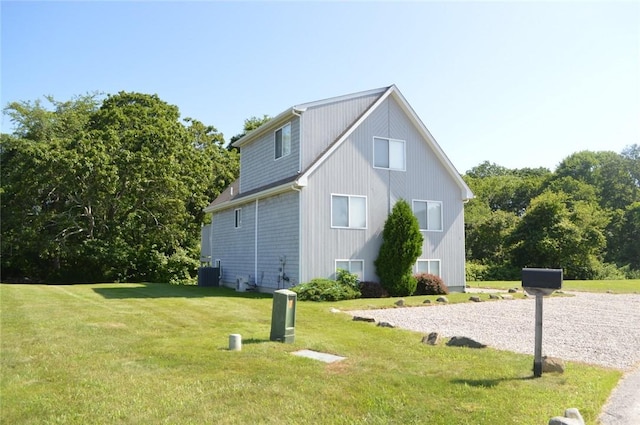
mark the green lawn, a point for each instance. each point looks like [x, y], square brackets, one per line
[153, 353]
[631, 286]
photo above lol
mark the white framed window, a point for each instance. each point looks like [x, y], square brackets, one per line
[428, 266]
[389, 154]
[352, 266]
[349, 211]
[429, 215]
[283, 141]
[237, 218]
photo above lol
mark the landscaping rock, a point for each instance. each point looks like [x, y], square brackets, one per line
[495, 296]
[571, 417]
[475, 299]
[427, 301]
[512, 290]
[463, 341]
[363, 319]
[442, 299]
[552, 365]
[507, 297]
[432, 339]
[334, 310]
[400, 303]
[385, 325]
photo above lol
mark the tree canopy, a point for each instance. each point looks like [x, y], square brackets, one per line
[583, 217]
[103, 190]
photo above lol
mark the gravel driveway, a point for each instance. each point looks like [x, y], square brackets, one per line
[601, 329]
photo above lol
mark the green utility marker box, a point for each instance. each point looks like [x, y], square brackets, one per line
[283, 316]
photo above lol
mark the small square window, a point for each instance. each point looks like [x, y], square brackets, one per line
[352, 266]
[238, 218]
[428, 266]
[283, 141]
[389, 154]
[349, 211]
[429, 214]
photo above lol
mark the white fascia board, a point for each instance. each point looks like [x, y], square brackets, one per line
[258, 195]
[345, 136]
[341, 98]
[270, 125]
[444, 159]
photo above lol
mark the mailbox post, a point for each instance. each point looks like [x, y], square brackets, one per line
[540, 282]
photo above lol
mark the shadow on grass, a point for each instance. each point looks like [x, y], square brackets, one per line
[161, 290]
[488, 383]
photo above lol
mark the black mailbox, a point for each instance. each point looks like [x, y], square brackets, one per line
[542, 278]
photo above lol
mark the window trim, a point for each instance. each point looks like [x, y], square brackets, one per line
[359, 260]
[275, 142]
[366, 211]
[429, 261]
[404, 153]
[237, 217]
[427, 202]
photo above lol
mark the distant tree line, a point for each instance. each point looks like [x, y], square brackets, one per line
[584, 217]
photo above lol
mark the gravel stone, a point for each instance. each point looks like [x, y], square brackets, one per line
[601, 329]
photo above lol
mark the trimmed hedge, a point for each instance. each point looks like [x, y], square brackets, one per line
[429, 284]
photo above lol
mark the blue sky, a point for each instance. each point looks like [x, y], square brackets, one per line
[521, 84]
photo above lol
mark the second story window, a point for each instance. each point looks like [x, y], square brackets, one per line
[389, 154]
[429, 214]
[283, 141]
[349, 211]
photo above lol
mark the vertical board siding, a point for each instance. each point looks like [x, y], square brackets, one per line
[258, 166]
[323, 124]
[350, 171]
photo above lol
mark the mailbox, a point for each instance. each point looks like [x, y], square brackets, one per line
[283, 316]
[540, 282]
[545, 280]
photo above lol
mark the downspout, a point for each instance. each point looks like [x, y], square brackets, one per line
[299, 190]
[298, 113]
[255, 247]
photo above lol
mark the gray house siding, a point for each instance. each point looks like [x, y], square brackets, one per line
[278, 230]
[350, 171]
[323, 124]
[258, 165]
[276, 238]
[287, 202]
[234, 247]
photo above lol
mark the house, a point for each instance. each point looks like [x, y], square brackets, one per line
[316, 185]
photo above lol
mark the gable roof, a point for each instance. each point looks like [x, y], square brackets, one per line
[295, 110]
[230, 196]
[393, 91]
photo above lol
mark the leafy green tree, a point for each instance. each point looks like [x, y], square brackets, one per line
[554, 233]
[108, 193]
[485, 242]
[401, 247]
[250, 124]
[607, 171]
[625, 239]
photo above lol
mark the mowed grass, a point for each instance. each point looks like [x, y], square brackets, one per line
[155, 353]
[630, 286]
